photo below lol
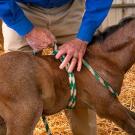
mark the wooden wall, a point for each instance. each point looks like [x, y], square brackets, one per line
[120, 9]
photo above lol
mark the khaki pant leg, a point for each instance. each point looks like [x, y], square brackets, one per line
[65, 23]
[12, 41]
[83, 121]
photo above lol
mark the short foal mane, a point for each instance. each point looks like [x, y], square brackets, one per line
[101, 36]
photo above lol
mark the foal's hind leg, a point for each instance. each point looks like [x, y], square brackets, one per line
[19, 124]
[22, 116]
[23, 121]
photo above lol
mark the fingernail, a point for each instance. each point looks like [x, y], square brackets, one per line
[69, 71]
[60, 67]
[56, 57]
[78, 70]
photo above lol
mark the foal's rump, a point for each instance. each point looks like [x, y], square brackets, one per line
[20, 101]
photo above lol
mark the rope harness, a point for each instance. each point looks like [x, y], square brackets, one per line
[72, 84]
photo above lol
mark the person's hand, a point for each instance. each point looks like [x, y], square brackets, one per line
[74, 50]
[40, 38]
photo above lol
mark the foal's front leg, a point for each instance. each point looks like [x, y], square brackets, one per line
[23, 121]
[118, 114]
[132, 114]
[22, 115]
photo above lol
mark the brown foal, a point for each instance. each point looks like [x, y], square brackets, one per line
[30, 85]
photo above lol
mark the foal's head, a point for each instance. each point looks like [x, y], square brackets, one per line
[118, 42]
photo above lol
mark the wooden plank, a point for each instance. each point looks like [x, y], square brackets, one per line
[113, 17]
[128, 5]
[1, 37]
[120, 9]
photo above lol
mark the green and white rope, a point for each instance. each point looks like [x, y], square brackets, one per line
[72, 84]
[72, 99]
[100, 79]
[73, 91]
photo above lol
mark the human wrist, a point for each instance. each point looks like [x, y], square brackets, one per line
[29, 33]
[82, 41]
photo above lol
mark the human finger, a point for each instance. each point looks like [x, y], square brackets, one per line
[60, 53]
[79, 64]
[73, 64]
[66, 61]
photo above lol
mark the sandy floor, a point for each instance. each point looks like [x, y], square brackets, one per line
[60, 126]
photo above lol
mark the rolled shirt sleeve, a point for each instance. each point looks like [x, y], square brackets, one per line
[14, 17]
[96, 11]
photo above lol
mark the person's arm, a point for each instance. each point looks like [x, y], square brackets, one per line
[14, 17]
[96, 11]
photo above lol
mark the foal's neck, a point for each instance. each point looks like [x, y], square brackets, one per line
[121, 46]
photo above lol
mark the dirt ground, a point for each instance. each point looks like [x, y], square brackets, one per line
[60, 125]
